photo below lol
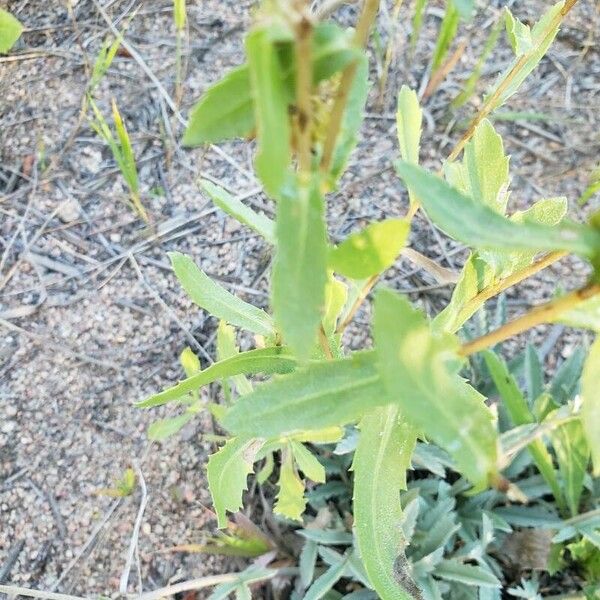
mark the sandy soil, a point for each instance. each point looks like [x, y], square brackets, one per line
[91, 317]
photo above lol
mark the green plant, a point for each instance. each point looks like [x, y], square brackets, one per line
[180, 22]
[122, 152]
[415, 399]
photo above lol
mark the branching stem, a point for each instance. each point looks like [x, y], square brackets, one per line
[544, 313]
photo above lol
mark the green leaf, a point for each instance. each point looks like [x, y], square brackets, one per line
[240, 211]
[300, 270]
[566, 379]
[179, 14]
[333, 392]
[332, 50]
[519, 413]
[10, 31]
[263, 360]
[534, 373]
[477, 225]
[227, 472]
[307, 560]
[336, 295]
[454, 570]
[163, 428]
[351, 122]
[573, 455]
[446, 34]
[419, 372]
[483, 174]
[380, 462]
[307, 462]
[590, 408]
[409, 119]
[519, 34]
[227, 348]
[542, 35]
[189, 361]
[290, 501]
[370, 251]
[326, 581]
[585, 315]
[217, 300]
[226, 110]
[270, 109]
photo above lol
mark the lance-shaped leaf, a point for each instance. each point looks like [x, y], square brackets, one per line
[477, 225]
[419, 371]
[573, 457]
[409, 119]
[519, 34]
[225, 111]
[240, 211]
[332, 50]
[381, 459]
[351, 122]
[371, 250]
[267, 80]
[216, 299]
[263, 360]
[333, 392]
[590, 408]
[227, 473]
[300, 270]
[518, 411]
[10, 30]
[542, 35]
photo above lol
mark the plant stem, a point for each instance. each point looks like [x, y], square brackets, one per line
[361, 36]
[489, 104]
[544, 313]
[363, 294]
[389, 52]
[510, 281]
[303, 90]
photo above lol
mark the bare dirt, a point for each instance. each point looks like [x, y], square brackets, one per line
[92, 318]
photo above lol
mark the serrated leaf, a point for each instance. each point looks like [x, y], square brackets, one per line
[419, 370]
[370, 251]
[382, 457]
[300, 270]
[307, 462]
[163, 428]
[263, 360]
[573, 455]
[351, 122]
[240, 211]
[10, 31]
[542, 35]
[477, 225]
[290, 501]
[333, 392]
[453, 570]
[216, 300]
[227, 472]
[519, 34]
[483, 174]
[226, 110]
[590, 407]
[267, 79]
[409, 119]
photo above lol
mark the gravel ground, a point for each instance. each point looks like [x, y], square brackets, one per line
[91, 317]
